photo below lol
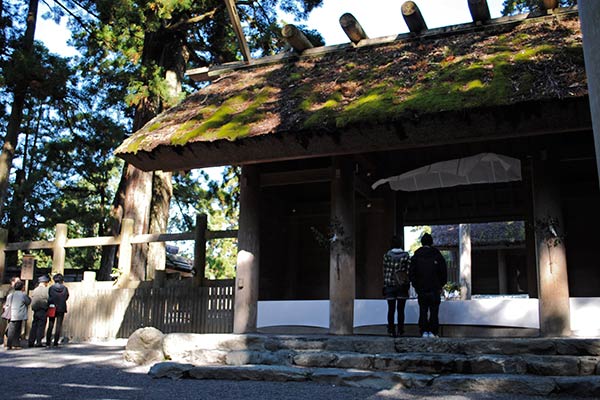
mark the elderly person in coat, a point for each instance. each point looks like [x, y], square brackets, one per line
[39, 306]
[19, 302]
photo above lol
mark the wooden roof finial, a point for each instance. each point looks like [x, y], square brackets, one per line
[296, 38]
[480, 12]
[413, 17]
[352, 28]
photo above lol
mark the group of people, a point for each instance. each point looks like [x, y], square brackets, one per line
[49, 305]
[426, 271]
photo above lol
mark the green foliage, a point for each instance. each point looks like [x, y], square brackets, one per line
[512, 7]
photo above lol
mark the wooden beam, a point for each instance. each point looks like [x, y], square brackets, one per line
[479, 10]
[237, 27]
[295, 177]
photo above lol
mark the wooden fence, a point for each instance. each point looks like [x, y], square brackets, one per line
[100, 310]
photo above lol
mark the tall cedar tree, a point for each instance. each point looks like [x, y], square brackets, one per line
[152, 41]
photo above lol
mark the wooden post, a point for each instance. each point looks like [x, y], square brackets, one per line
[237, 27]
[3, 240]
[413, 17]
[589, 15]
[125, 251]
[352, 28]
[464, 233]
[342, 261]
[480, 12]
[554, 309]
[502, 281]
[200, 249]
[296, 38]
[58, 249]
[247, 270]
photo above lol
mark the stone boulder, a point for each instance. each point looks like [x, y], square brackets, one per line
[145, 346]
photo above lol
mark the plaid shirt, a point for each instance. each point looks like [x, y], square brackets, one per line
[394, 260]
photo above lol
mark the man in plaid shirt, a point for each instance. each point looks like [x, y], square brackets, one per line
[396, 284]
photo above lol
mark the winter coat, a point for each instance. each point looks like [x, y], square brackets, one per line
[58, 295]
[39, 298]
[393, 261]
[428, 270]
[19, 302]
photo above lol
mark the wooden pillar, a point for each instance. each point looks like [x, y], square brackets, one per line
[531, 258]
[58, 249]
[589, 15]
[200, 249]
[3, 242]
[502, 281]
[464, 248]
[550, 251]
[125, 251]
[246, 280]
[342, 262]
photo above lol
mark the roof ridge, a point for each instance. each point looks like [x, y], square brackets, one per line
[213, 72]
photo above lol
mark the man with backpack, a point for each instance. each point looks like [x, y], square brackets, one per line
[396, 284]
[428, 275]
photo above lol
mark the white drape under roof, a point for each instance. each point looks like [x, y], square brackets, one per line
[480, 168]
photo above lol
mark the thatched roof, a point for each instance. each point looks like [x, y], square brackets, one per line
[486, 234]
[455, 83]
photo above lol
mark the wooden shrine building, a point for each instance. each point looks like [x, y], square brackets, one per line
[313, 129]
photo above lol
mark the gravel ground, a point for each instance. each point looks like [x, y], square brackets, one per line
[97, 371]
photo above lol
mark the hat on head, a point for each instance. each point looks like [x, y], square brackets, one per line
[43, 278]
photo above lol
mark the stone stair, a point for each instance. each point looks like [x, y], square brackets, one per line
[532, 366]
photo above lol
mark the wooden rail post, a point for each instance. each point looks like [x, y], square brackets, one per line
[3, 240]
[58, 249]
[200, 249]
[125, 251]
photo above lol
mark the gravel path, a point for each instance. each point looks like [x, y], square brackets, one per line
[97, 371]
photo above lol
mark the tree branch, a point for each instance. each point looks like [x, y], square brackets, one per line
[192, 20]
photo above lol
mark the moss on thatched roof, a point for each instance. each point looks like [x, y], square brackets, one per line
[503, 64]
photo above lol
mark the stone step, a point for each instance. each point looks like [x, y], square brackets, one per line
[180, 345]
[523, 384]
[426, 363]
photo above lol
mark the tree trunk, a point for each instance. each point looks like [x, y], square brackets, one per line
[16, 114]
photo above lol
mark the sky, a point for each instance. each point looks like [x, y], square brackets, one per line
[377, 17]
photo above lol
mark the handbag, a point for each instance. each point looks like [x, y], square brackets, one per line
[6, 312]
[6, 308]
[51, 313]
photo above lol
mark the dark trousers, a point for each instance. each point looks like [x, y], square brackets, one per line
[14, 333]
[429, 307]
[38, 328]
[59, 321]
[393, 306]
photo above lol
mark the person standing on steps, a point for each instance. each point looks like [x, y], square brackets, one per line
[396, 284]
[57, 299]
[39, 306]
[428, 275]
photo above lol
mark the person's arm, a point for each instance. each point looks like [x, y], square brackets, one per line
[26, 300]
[443, 270]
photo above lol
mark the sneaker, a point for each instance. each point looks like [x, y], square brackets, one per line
[425, 334]
[433, 335]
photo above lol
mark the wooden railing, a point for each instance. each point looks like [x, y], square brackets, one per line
[124, 240]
